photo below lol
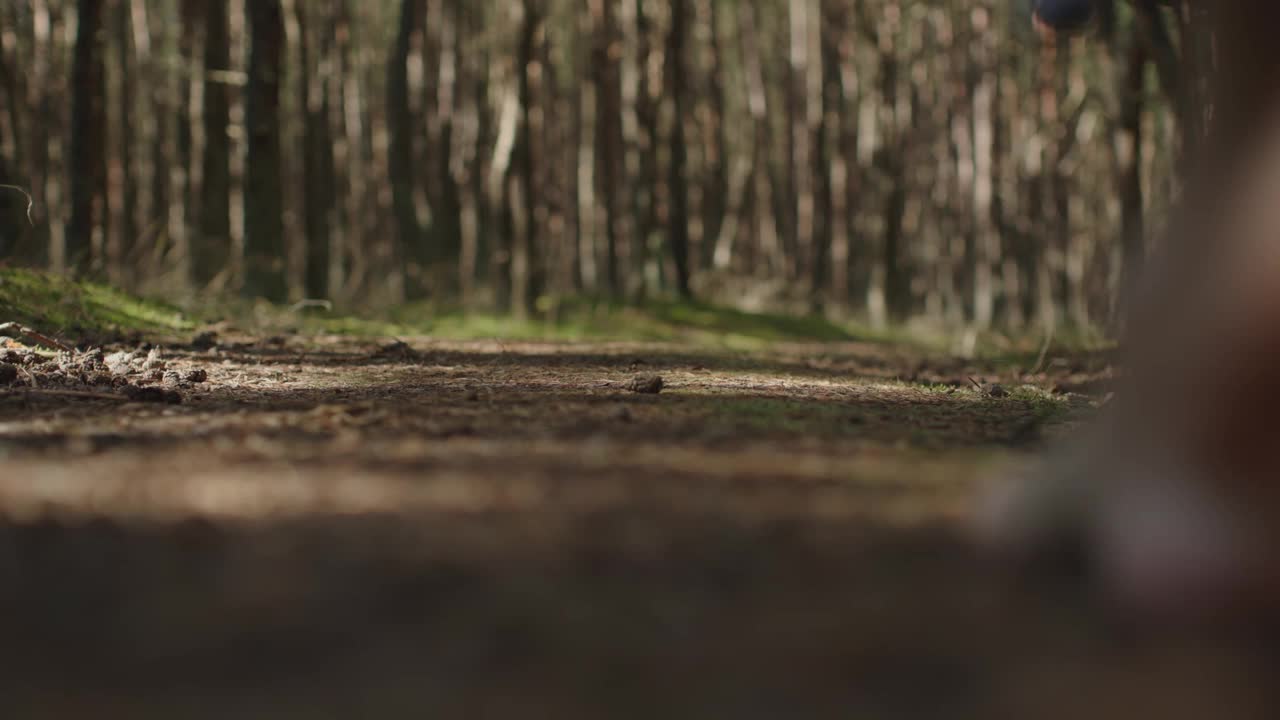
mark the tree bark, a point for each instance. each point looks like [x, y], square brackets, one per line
[400, 121]
[264, 199]
[677, 179]
[211, 246]
[88, 138]
[606, 76]
[317, 152]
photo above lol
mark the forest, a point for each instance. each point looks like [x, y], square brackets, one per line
[873, 159]
[679, 359]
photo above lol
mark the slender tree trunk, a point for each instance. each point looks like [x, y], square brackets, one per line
[446, 198]
[801, 118]
[124, 133]
[677, 179]
[606, 75]
[401, 126]
[716, 191]
[522, 187]
[317, 153]
[88, 138]
[12, 203]
[645, 181]
[1129, 147]
[211, 246]
[264, 200]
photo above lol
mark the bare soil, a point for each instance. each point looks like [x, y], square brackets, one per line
[302, 527]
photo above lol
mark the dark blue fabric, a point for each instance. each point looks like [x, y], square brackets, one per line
[1064, 14]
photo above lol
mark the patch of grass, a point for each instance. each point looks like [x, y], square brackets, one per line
[1023, 352]
[60, 305]
[584, 319]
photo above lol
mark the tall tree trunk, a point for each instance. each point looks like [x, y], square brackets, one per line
[446, 200]
[317, 151]
[828, 163]
[88, 138]
[465, 163]
[716, 190]
[521, 182]
[801, 106]
[12, 203]
[401, 126]
[211, 245]
[644, 180]
[677, 179]
[1129, 146]
[264, 199]
[606, 76]
[123, 132]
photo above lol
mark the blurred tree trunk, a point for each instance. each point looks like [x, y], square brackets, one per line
[644, 179]
[351, 261]
[187, 86]
[315, 51]
[125, 133]
[677, 177]
[894, 282]
[759, 203]
[985, 97]
[211, 244]
[713, 121]
[829, 169]
[606, 56]
[264, 199]
[1129, 142]
[88, 139]
[42, 90]
[472, 67]
[522, 190]
[400, 120]
[12, 203]
[802, 120]
[445, 195]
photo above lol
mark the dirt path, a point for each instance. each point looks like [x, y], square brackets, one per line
[326, 527]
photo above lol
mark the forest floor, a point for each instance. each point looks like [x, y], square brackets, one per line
[302, 525]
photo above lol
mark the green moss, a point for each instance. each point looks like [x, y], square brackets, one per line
[586, 319]
[60, 305]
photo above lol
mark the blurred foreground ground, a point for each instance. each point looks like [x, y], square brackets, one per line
[330, 527]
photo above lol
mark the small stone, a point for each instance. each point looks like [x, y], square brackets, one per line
[645, 384]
